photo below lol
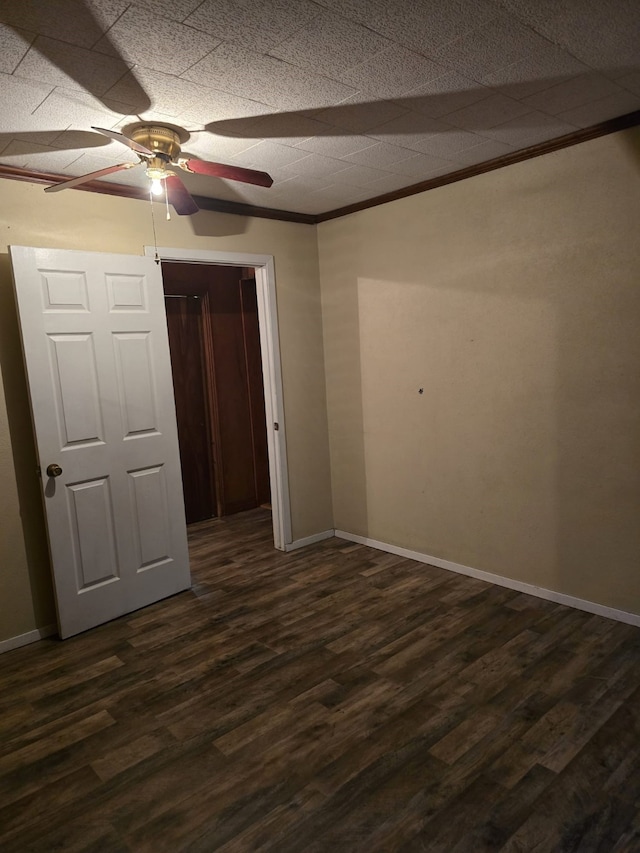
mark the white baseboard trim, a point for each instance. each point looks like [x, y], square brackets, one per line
[499, 580]
[25, 639]
[309, 540]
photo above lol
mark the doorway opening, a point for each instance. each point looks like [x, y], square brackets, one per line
[214, 339]
[255, 349]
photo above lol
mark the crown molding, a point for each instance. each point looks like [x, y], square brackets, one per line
[125, 191]
[240, 209]
[570, 139]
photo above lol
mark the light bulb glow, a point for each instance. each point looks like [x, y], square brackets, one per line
[156, 186]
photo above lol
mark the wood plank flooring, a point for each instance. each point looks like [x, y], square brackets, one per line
[332, 699]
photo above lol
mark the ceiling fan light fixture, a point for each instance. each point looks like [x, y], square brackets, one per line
[157, 173]
[156, 186]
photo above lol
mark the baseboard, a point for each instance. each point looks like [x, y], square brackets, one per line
[25, 639]
[309, 540]
[499, 580]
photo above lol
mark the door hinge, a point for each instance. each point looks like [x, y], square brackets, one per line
[276, 425]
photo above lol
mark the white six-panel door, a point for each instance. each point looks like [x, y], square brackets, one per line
[97, 357]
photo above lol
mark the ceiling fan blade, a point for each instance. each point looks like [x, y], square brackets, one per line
[221, 170]
[92, 176]
[180, 197]
[120, 137]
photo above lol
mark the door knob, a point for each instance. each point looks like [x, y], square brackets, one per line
[54, 470]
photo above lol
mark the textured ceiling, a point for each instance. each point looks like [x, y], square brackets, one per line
[339, 100]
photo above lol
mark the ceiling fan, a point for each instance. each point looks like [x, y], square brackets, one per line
[158, 147]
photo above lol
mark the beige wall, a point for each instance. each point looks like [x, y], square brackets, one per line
[513, 300]
[78, 220]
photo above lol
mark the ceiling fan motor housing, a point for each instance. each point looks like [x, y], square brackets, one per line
[163, 141]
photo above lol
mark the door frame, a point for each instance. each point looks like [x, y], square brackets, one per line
[271, 369]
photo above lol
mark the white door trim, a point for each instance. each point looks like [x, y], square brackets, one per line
[271, 370]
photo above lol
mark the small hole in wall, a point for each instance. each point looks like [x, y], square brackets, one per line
[420, 390]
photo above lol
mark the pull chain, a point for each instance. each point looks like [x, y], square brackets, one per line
[153, 222]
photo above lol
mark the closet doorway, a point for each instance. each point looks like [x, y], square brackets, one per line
[214, 338]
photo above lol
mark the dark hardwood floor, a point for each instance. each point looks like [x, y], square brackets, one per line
[333, 699]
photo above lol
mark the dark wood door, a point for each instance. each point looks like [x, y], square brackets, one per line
[241, 428]
[253, 356]
[184, 321]
[232, 379]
